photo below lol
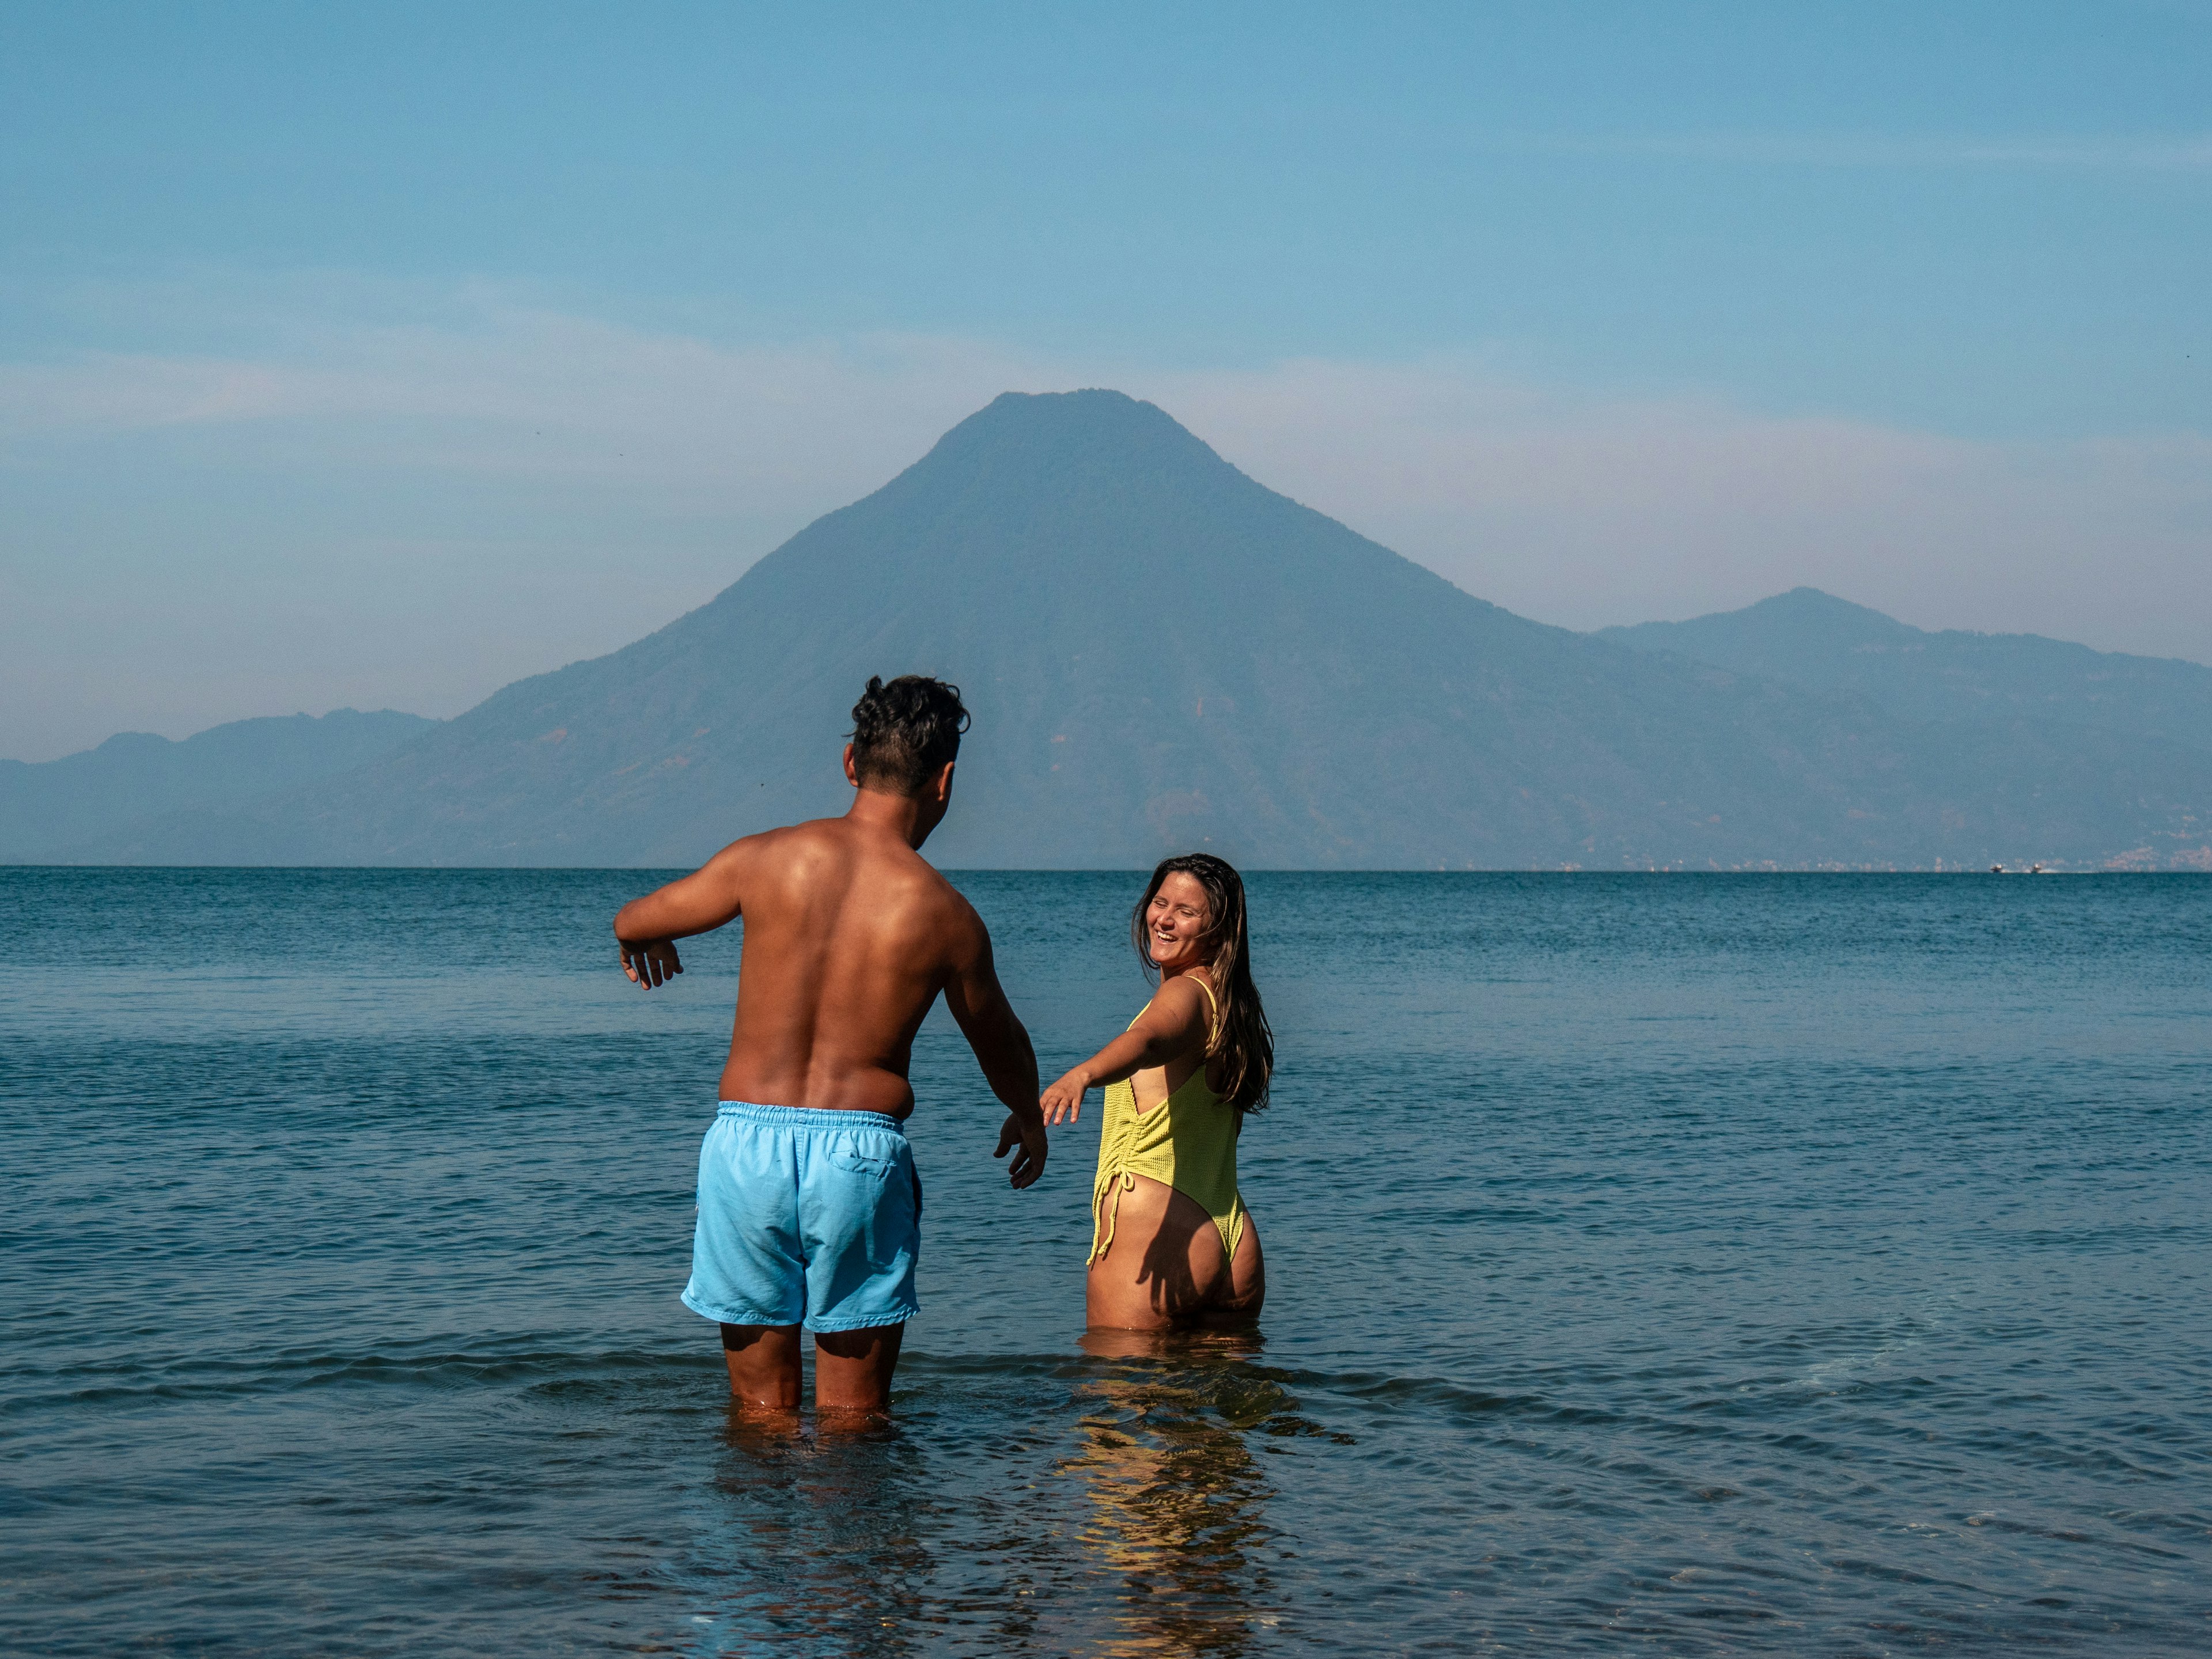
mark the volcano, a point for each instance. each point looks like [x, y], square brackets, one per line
[1162, 654]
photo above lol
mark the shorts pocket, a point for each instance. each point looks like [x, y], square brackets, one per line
[857, 1160]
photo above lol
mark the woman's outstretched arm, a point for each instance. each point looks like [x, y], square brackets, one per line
[1172, 1027]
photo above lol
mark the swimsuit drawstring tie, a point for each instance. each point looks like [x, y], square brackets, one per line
[1114, 1187]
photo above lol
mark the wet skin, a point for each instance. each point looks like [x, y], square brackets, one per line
[849, 937]
[1166, 1266]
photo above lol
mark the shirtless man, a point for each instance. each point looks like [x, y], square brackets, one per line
[809, 1209]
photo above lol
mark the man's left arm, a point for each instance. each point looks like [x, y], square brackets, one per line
[979, 1006]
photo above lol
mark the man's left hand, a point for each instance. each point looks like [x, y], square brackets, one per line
[1027, 1134]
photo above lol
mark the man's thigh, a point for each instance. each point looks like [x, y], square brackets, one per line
[763, 1362]
[853, 1368]
[860, 1218]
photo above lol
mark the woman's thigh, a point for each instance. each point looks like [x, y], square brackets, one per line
[1166, 1267]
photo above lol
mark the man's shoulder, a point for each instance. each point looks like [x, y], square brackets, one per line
[813, 839]
[911, 883]
[925, 883]
[832, 849]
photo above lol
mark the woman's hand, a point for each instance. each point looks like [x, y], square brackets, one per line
[1064, 1099]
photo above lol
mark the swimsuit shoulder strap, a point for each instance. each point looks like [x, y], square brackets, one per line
[1212, 1008]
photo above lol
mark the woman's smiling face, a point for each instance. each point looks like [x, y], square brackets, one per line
[1176, 922]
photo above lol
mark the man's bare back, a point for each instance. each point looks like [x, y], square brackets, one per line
[805, 1214]
[850, 935]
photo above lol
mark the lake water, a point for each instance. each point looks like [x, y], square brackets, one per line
[1793, 1265]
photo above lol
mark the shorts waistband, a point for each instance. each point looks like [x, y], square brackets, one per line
[810, 1117]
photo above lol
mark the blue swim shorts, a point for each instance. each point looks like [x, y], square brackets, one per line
[805, 1217]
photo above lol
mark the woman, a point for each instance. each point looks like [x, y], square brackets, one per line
[1171, 1241]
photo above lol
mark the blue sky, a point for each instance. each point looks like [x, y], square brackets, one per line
[378, 356]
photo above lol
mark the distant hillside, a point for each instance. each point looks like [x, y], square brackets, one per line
[1162, 653]
[1808, 638]
[47, 806]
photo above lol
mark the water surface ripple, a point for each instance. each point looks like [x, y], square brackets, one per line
[1794, 1264]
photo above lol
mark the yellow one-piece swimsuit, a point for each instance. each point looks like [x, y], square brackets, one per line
[1188, 1141]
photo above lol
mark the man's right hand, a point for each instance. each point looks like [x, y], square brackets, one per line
[650, 962]
[1027, 1133]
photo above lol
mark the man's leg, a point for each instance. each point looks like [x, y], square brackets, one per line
[853, 1368]
[763, 1361]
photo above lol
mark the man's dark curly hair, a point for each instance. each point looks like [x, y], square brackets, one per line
[903, 732]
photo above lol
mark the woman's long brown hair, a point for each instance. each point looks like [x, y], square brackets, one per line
[1241, 1037]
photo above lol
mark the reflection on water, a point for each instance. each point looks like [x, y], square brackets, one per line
[1176, 1501]
[1113, 1503]
[822, 1530]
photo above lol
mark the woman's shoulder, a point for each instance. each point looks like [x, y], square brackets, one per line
[1202, 1000]
[1199, 980]
[1189, 990]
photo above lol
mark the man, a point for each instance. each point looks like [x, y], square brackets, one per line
[809, 1205]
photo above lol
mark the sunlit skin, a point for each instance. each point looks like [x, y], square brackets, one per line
[850, 936]
[1166, 1266]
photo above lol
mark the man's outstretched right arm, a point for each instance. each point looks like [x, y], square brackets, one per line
[646, 929]
[978, 1004]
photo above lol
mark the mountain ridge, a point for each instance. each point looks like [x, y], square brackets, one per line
[46, 807]
[1162, 653]
[1815, 640]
